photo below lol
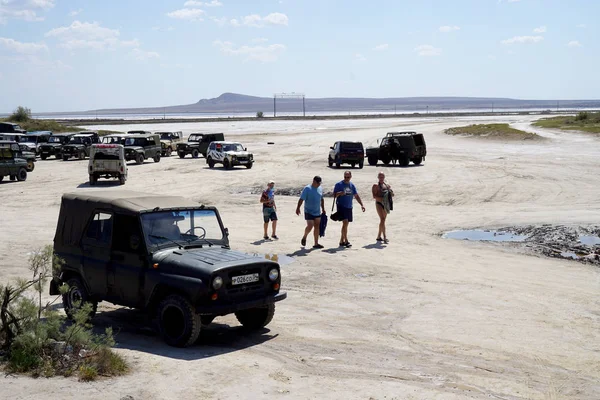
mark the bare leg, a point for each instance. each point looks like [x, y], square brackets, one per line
[309, 226]
[266, 227]
[274, 228]
[344, 231]
[316, 231]
[382, 216]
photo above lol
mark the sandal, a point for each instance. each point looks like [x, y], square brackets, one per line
[266, 237]
[303, 242]
[275, 237]
[386, 241]
[379, 239]
[318, 246]
[348, 244]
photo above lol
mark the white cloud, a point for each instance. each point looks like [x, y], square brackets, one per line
[427, 50]
[260, 40]
[448, 28]
[256, 21]
[194, 3]
[581, 26]
[541, 29]
[82, 35]
[359, 57]
[381, 47]
[523, 39]
[26, 10]
[574, 43]
[143, 55]
[258, 53]
[189, 14]
[176, 66]
[219, 21]
[74, 13]
[22, 47]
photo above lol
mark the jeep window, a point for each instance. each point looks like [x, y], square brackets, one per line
[78, 140]
[29, 139]
[195, 138]
[113, 140]
[183, 227]
[135, 142]
[166, 136]
[345, 146]
[128, 236]
[101, 155]
[212, 146]
[100, 228]
[55, 139]
[233, 147]
[150, 142]
[6, 153]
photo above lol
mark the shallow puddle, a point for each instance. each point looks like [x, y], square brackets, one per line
[487, 235]
[589, 240]
[281, 259]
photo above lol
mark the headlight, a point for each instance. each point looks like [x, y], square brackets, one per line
[217, 283]
[273, 274]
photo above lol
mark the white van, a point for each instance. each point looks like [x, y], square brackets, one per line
[107, 161]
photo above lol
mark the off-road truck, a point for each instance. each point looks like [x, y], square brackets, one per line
[168, 142]
[79, 145]
[403, 147]
[140, 147]
[115, 138]
[107, 161]
[229, 154]
[54, 145]
[32, 141]
[165, 255]
[9, 127]
[197, 143]
[351, 153]
[10, 163]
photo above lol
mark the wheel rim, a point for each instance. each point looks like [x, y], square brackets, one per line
[173, 322]
[75, 297]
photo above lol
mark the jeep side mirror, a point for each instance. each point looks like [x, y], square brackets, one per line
[227, 232]
[331, 147]
[245, 149]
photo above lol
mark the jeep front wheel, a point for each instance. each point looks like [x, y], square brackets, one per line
[82, 155]
[43, 156]
[195, 153]
[256, 318]
[249, 165]
[157, 157]
[181, 154]
[329, 161]
[139, 159]
[30, 166]
[75, 297]
[210, 162]
[226, 164]
[65, 158]
[417, 160]
[179, 324]
[372, 160]
[22, 174]
[122, 179]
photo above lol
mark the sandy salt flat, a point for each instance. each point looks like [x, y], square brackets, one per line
[423, 318]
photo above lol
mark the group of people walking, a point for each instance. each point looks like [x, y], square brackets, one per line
[344, 193]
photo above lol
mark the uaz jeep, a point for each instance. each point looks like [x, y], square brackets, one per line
[107, 161]
[54, 145]
[10, 163]
[403, 147]
[229, 154]
[79, 145]
[165, 255]
[140, 147]
[168, 142]
[33, 140]
[197, 143]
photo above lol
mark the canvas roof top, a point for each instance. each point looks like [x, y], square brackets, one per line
[128, 201]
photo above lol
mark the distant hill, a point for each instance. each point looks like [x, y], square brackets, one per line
[239, 103]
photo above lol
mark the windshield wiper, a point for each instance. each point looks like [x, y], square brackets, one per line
[190, 246]
[166, 238]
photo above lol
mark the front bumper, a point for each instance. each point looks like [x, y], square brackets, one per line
[224, 309]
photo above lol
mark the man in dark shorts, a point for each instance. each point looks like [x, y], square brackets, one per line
[312, 197]
[344, 192]
[267, 199]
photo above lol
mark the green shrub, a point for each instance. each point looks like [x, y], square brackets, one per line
[259, 114]
[582, 116]
[21, 114]
[87, 373]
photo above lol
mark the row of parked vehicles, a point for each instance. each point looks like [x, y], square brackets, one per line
[395, 147]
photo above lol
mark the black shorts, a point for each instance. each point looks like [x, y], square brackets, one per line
[269, 214]
[310, 217]
[346, 213]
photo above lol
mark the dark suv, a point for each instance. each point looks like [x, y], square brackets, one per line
[402, 147]
[351, 153]
[54, 145]
[165, 255]
[139, 147]
[8, 127]
[79, 145]
[197, 143]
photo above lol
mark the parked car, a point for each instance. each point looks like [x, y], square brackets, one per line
[115, 138]
[79, 145]
[9, 127]
[33, 140]
[351, 153]
[229, 154]
[197, 143]
[10, 163]
[168, 142]
[403, 147]
[165, 255]
[54, 145]
[107, 161]
[141, 147]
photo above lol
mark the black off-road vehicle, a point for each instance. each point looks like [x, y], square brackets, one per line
[402, 147]
[352, 153]
[165, 255]
[54, 145]
[140, 147]
[8, 127]
[197, 143]
[11, 163]
[79, 145]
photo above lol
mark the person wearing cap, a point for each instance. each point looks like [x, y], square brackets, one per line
[314, 205]
[267, 199]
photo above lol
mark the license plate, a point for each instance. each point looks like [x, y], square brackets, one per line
[238, 280]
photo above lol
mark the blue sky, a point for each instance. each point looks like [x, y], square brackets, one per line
[69, 55]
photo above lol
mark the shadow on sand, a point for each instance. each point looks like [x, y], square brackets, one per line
[134, 331]
[100, 184]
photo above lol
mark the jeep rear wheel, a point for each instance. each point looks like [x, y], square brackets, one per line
[249, 165]
[179, 324]
[93, 179]
[386, 161]
[65, 158]
[372, 160]
[329, 161]
[30, 166]
[43, 156]
[139, 159]
[256, 318]
[75, 297]
[122, 179]
[157, 157]
[417, 160]
[404, 161]
[195, 153]
[22, 174]
[361, 164]
[181, 154]
[226, 164]
[81, 155]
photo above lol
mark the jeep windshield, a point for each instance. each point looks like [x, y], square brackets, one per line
[79, 140]
[29, 139]
[183, 228]
[233, 147]
[113, 140]
[166, 135]
[55, 139]
[135, 142]
[195, 138]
